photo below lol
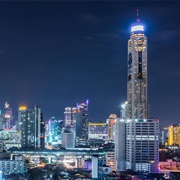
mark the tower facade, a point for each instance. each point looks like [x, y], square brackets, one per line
[70, 118]
[142, 144]
[111, 127]
[54, 131]
[137, 100]
[32, 127]
[82, 124]
[174, 135]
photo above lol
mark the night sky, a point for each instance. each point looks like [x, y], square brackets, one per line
[55, 54]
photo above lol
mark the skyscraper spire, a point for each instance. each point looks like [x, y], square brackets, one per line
[137, 12]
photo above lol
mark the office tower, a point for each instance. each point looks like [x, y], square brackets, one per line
[97, 133]
[54, 131]
[82, 124]
[98, 163]
[42, 131]
[7, 117]
[1, 120]
[142, 144]
[31, 126]
[95, 169]
[68, 139]
[111, 127]
[174, 135]
[70, 117]
[163, 136]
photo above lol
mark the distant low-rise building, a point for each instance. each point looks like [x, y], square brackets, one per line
[111, 160]
[68, 139]
[97, 132]
[10, 138]
[13, 167]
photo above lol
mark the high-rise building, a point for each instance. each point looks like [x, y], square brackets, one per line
[68, 139]
[141, 134]
[174, 135]
[163, 136]
[120, 145]
[137, 106]
[111, 127]
[32, 127]
[142, 144]
[70, 117]
[54, 131]
[82, 124]
[42, 131]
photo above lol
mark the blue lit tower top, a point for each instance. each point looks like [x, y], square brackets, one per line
[137, 105]
[137, 27]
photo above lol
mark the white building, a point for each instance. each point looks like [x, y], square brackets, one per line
[142, 144]
[13, 167]
[95, 169]
[137, 144]
[120, 144]
[68, 139]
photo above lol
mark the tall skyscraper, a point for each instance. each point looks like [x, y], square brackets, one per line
[82, 123]
[137, 106]
[70, 117]
[32, 127]
[54, 131]
[141, 134]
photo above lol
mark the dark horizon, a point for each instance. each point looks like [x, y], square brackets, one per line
[57, 54]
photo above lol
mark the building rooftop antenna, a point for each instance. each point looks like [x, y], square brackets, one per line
[137, 12]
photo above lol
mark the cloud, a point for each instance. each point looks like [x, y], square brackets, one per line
[169, 34]
[113, 40]
[176, 73]
[89, 38]
[166, 35]
[112, 35]
[90, 17]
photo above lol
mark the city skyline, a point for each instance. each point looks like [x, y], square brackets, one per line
[54, 59]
